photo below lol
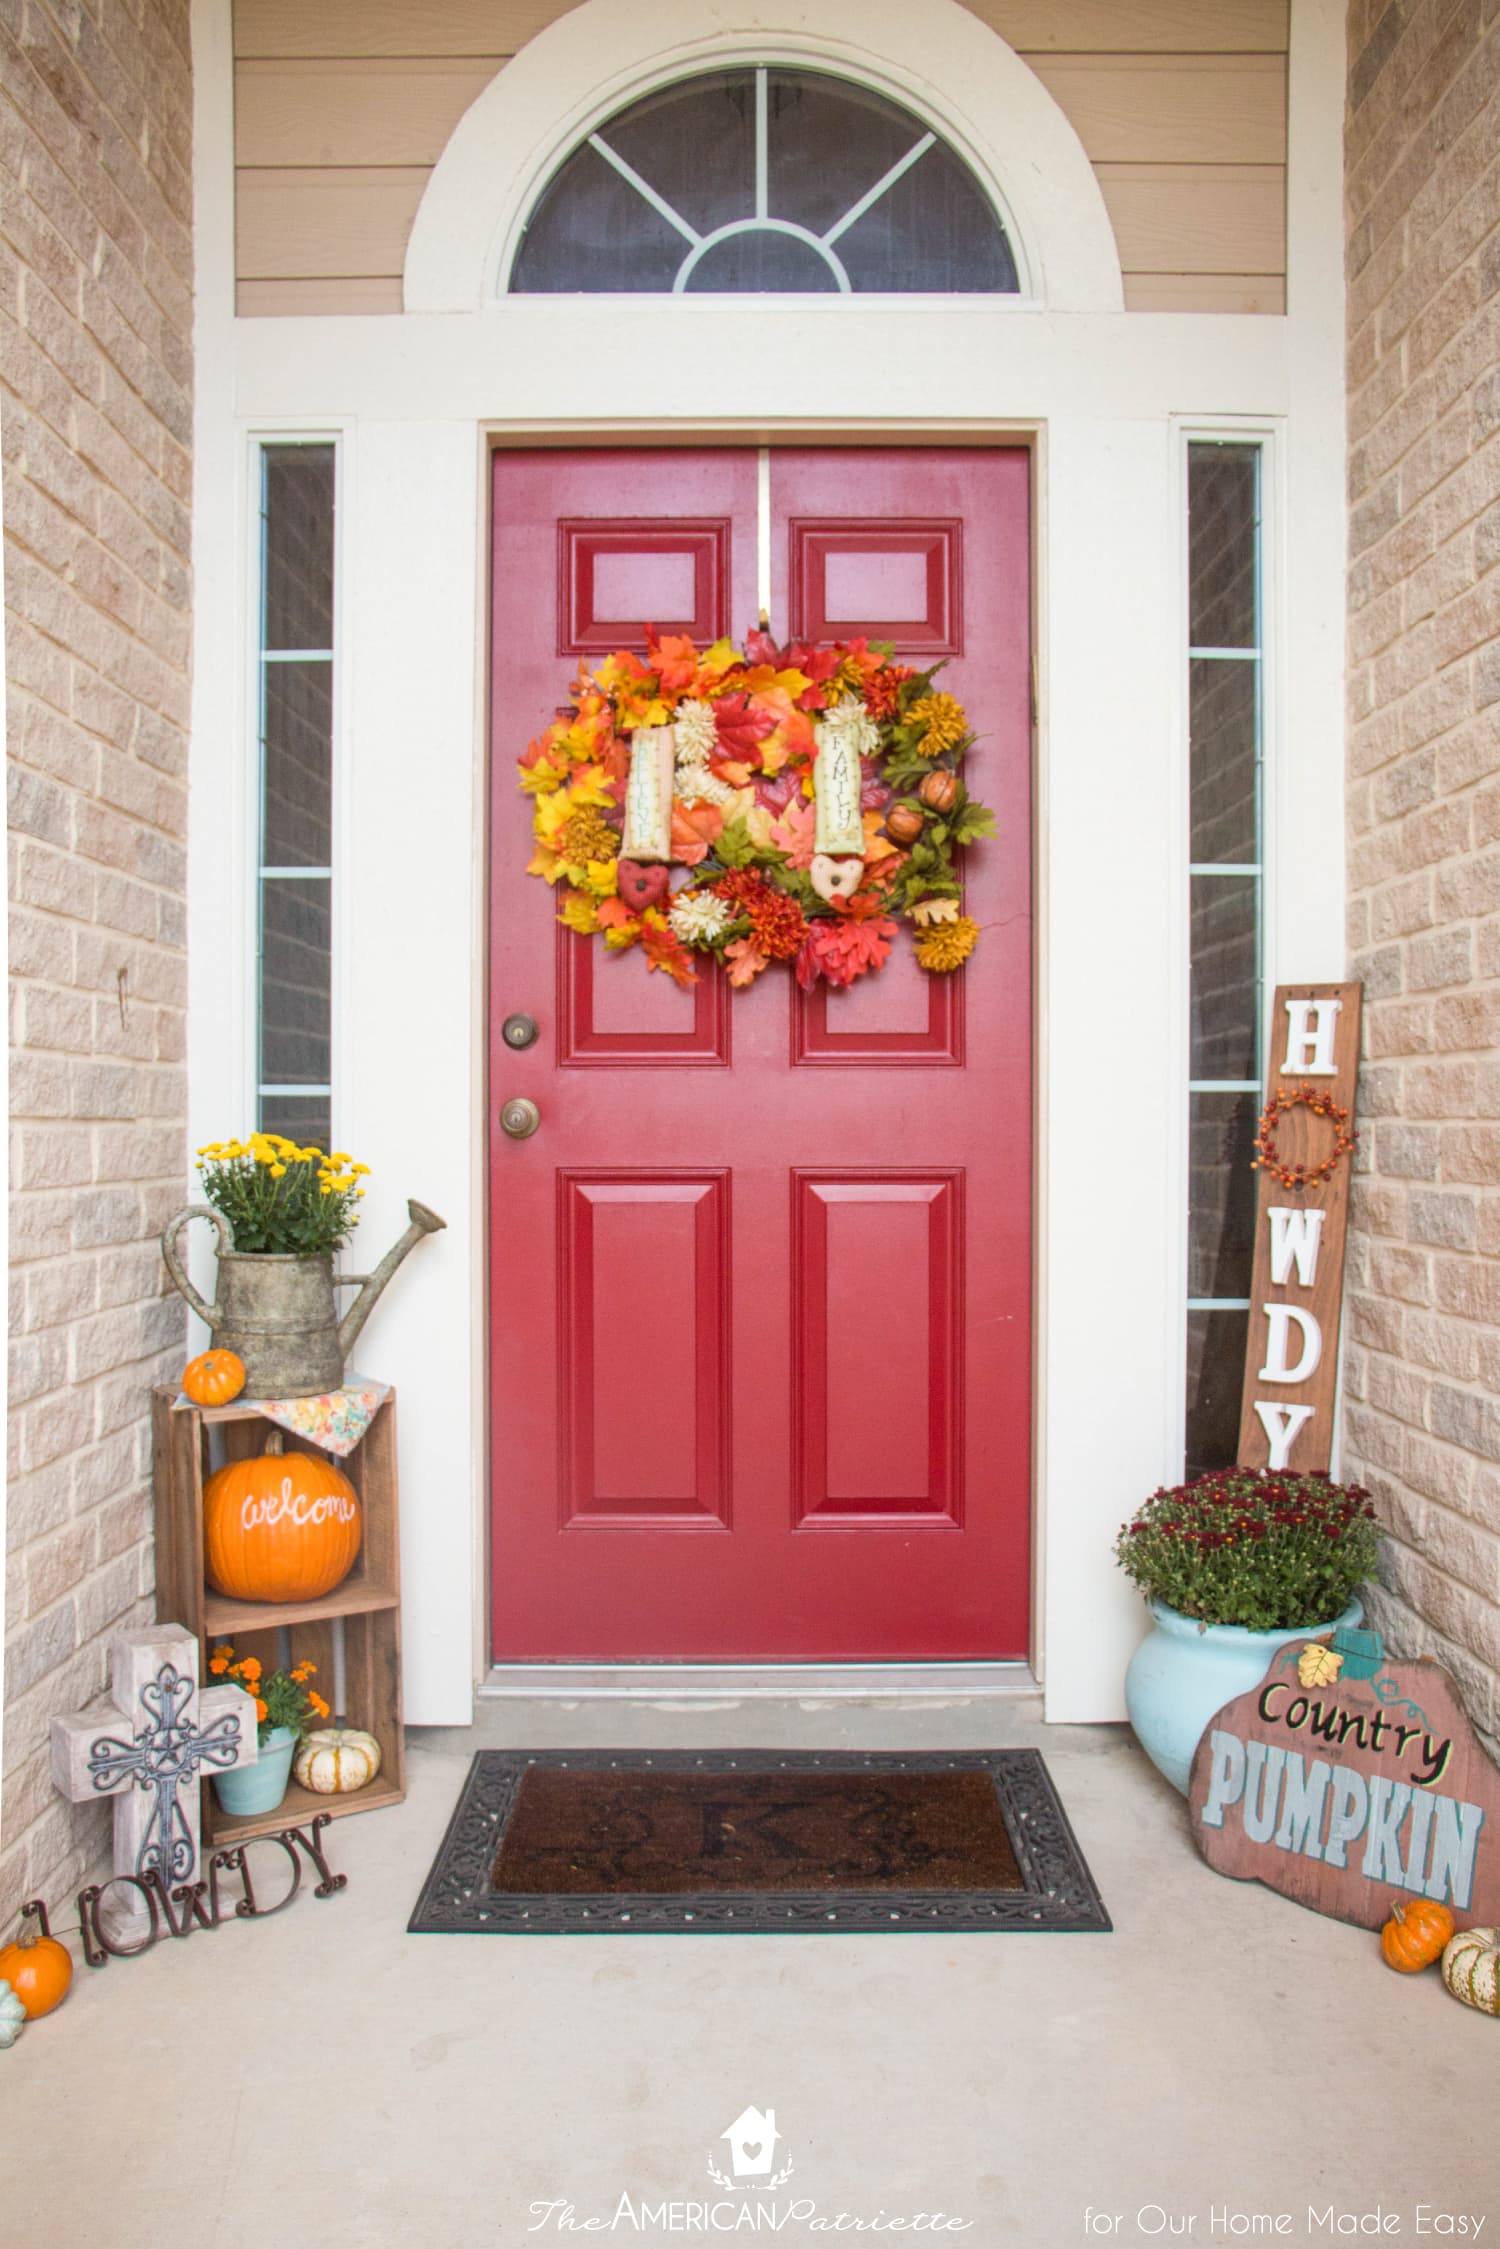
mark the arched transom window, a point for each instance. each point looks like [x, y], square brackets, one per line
[765, 179]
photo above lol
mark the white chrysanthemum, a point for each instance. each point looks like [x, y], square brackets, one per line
[696, 732]
[855, 724]
[695, 784]
[699, 918]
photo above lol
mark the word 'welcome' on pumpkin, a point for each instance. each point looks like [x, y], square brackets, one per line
[280, 1527]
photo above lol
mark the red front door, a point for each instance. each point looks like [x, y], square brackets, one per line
[760, 1282]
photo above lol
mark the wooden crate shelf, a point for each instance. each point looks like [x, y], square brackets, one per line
[368, 1602]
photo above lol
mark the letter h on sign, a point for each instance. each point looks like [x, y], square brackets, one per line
[1297, 1279]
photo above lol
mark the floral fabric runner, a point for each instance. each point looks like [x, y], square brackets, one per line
[334, 1420]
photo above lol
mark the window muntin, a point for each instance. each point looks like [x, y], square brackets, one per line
[763, 180]
[1225, 925]
[295, 858]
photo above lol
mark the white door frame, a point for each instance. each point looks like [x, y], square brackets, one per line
[1108, 397]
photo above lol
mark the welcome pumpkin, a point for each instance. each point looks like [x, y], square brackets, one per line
[280, 1527]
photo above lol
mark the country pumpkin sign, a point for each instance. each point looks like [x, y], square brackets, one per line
[1349, 1784]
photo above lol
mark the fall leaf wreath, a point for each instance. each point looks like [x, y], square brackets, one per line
[677, 806]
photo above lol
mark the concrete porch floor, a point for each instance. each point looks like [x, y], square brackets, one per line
[326, 2079]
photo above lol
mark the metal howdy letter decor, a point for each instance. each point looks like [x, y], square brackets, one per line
[846, 733]
[148, 1747]
[648, 794]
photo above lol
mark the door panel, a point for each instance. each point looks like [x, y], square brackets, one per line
[760, 1302]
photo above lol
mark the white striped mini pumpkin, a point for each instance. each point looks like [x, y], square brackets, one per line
[1471, 1968]
[336, 1760]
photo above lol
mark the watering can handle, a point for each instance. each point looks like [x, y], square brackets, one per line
[206, 1312]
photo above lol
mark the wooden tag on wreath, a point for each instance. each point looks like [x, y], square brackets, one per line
[1351, 1784]
[1297, 1281]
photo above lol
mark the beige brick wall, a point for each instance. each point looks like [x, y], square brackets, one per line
[96, 248]
[1422, 1421]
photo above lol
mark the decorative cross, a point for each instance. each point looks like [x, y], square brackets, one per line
[151, 1762]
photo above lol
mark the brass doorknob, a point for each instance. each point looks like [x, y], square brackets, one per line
[519, 1118]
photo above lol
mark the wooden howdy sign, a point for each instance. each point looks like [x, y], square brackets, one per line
[1349, 1783]
[1304, 1158]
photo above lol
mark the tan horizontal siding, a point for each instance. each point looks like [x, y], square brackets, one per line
[343, 106]
[353, 112]
[259, 299]
[277, 28]
[335, 224]
[1197, 218]
[1205, 292]
[1172, 109]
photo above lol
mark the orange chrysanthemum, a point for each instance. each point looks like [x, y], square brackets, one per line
[945, 720]
[777, 923]
[947, 944]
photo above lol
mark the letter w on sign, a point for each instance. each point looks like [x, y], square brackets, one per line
[1297, 1279]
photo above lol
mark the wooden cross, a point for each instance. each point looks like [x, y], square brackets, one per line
[146, 1746]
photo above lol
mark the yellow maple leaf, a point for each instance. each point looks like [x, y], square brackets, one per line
[580, 912]
[1318, 1666]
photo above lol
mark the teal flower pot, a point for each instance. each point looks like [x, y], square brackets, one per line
[1184, 1671]
[261, 1786]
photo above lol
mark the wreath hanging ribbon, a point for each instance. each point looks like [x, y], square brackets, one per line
[758, 805]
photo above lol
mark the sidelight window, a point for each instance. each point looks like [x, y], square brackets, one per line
[296, 716]
[1226, 660]
[762, 180]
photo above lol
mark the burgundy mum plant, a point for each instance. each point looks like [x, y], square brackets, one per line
[1245, 1546]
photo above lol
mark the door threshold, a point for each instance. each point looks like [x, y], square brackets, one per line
[904, 1683]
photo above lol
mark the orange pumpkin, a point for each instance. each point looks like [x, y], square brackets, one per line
[1415, 1935]
[213, 1378]
[39, 1971]
[284, 1526]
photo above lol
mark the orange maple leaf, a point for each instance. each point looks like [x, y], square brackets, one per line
[665, 950]
[695, 828]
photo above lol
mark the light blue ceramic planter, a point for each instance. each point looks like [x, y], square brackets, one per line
[261, 1786]
[1184, 1671]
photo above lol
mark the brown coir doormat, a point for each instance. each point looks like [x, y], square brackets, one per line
[601, 1842]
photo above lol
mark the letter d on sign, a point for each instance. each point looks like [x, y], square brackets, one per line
[1278, 1340]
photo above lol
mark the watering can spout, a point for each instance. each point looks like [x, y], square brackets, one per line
[423, 1221]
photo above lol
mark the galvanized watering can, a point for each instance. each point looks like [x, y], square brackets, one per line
[278, 1313]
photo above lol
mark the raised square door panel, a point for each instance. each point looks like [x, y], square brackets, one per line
[874, 1445]
[644, 1404]
[615, 577]
[886, 579]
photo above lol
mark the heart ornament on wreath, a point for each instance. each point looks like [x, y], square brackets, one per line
[772, 804]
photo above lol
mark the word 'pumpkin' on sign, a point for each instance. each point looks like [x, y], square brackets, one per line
[1368, 1790]
[280, 1527]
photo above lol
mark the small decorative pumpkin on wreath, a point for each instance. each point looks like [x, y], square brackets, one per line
[336, 1760]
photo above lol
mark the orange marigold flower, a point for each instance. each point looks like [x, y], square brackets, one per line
[224, 1649]
[319, 1705]
[217, 1663]
[260, 1709]
[250, 1667]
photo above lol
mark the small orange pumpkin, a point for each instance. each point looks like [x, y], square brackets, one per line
[904, 823]
[939, 790]
[213, 1378]
[39, 1971]
[284, 1526]
[1415, 1935]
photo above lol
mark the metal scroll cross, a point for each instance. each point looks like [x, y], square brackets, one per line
[152, 1762]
